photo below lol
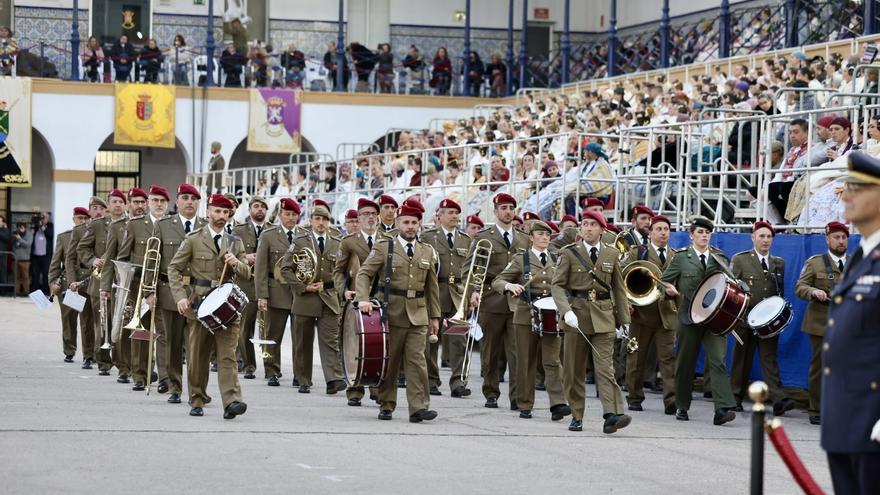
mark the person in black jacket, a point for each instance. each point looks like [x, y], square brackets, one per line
[385, 69]
[475, 73]
[294, 62]
[330, 65]
[123, 55]
[231, 61]
[364, 61]
[496, 73]
[41, 251]
[150, 60]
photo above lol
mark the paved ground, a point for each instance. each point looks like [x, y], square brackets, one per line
[69, 430]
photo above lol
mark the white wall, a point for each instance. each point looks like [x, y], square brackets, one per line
[310, 10]
[185, 7]
[369, 22]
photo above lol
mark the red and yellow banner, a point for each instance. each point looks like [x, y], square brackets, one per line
[144, 115]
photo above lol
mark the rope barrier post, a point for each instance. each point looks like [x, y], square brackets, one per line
[758, 392]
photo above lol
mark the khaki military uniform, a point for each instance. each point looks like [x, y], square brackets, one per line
[353, 246]
[121, 352]
[496, 312]
[313, 309]
[528, 342]
[92, 246]
[176, 326]
[247, 232]
[198, 257]
[820, 272]
[450, 280]
[413, 300]
[76, 271]
[596, 295]
[68, 315]
[272, 247]
[746, 266]
[653, 327]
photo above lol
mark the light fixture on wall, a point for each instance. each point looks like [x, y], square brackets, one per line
[458, 16]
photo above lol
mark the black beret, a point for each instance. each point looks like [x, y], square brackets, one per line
[701, 221]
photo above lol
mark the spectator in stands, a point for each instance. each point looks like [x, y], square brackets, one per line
[364, 62]
[433, 179]
[8, 51]
[496, 73]
[550, 173]
[22, 239]
[231, 62]
[330, 180]
[478, 177]
[441, 80]
[871, 87]
[330, 59]
[261, 189]
[123, 55]
[385, 68]
[263, 62]
[345, 183]
[294, 63]
[180, 59]
[150, 61]
[285, 188]
[414, 64]
[499, 172]
[474, 77]
[377, 179]
[453, 174]
[92, 57]
[414, 172]
[841, 138]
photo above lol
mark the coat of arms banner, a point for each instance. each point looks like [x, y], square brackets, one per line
[15, 131]
[144, 115]
[274, 125]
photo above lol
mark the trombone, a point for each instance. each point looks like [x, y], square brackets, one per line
[149, 282]
[476, 276]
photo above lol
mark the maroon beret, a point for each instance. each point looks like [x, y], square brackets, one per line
[833, 227]
[474, 220]
[290, 204]
[159, 191]
[660, 219]
[503, 198]
[595, 215]
[367, 203]
[826, 121]
[387, 200]
[413, 202]
[188, 189]
[612, 228]
[221, 201]
[553, 226]
[351, 215]
[79, 210]
[321, 202]
[548, 164]
[763, 224]
[409, 211]
[448, 203]
[642, 210]
[118, 194]
[530, 215]
[136, 191]
[842, 122]
[517, 218]
[591, 201]
[569, 218]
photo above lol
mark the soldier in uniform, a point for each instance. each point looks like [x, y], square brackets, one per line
[176, 327]
[249, 232]
[78, 273]
[687, 269]
[529, 217]
[765, 276]
[518, 224]
[412, 308]
[315, 304]
[638, 234]
[57, 281]
[387, 211]
[353, 250]
[90, 252]
[588, 291]
[121, 352]
[202, 257]
[474, 225]
[653, 325]
[851, 371]
[535, 268]
[132, 249]
[275, 296]
[820, 275]
[351, 222]
[451, 246]
[496, 316]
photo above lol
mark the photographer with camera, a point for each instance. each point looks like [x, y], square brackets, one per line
[41, 250]
[22, 239]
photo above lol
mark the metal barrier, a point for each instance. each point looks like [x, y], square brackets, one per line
[352, 149]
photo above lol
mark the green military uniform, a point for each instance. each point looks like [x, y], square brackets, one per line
[68, 315]
[450, 280]
[686, 272]
[121, 352]
[274, 243]
[413, 300]
[357, 246]
[247, 232]
[198, 257]
[653, 326]
[76, 272]
[596, 294]
[529, 343]
[496, 312]
[819, 273]
[92, 246]
[172, 231]
[746, 266]
[311, 309]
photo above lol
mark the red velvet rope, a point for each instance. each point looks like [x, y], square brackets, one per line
[798, 471]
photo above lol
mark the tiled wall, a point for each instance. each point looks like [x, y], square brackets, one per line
[310, 37]
[166, 26]
[429, 39]
[53, 27]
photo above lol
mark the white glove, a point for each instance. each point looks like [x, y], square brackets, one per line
[571, 319]
[622, 331]
[875, 432]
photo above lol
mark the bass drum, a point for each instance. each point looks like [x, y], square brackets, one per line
[221, 307]
[719, 304]
[770, 317]
[364, 346]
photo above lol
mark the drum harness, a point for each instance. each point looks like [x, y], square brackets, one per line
[598, 281]
[829, 269]
[537, 322]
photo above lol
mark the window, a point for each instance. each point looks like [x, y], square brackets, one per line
[116, 169]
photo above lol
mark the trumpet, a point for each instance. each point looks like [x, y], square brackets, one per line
[476, 276]
[105, 323]
[149, 282]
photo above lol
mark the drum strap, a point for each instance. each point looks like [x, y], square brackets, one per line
[387, 289]
[590, 270]
[829, 269]
[527, 274]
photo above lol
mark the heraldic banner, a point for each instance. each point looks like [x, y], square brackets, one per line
[274, 124]
[15, 131]
[144, 115]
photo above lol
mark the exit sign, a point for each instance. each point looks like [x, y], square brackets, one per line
[541, 13]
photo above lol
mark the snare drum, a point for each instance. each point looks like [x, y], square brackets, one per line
[770, 317]
[545, 318]
[365, 346]
[718, 304]
[221, 307]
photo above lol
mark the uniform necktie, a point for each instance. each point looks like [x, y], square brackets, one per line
[187, 227]
[594, 254]
[507, 239]
[289, 236]
[764, 265]
[662, 252]
[644, 240]
[409, 250]
[543, 259]
[840, 265]
[321, 244]
[259, 230]
[449, 239]
[229, 229]
[703, 260]
[370, 242]
[217, 242]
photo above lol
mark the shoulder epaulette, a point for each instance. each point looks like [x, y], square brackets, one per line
[120, 219]
[815, 256]
[269, 228]
[138, 217]
[195, 231]
[742, 253]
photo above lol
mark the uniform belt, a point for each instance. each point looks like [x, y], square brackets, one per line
[450, 280]
[591, 295]
[409, 294]
[202, 282]
[539, 295]
[164, 278]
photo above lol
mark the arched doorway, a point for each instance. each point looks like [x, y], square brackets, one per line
[242, 158]
[38, 197]
[125, 166]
